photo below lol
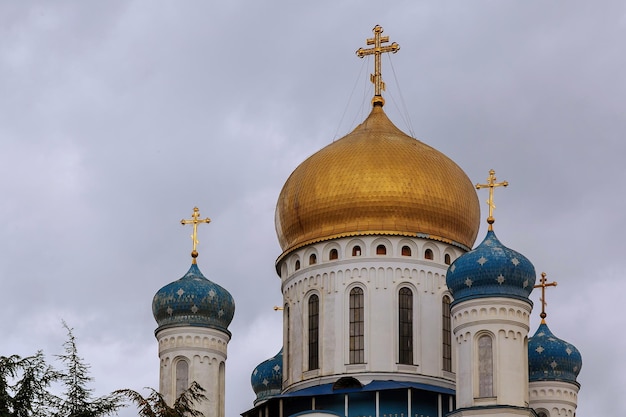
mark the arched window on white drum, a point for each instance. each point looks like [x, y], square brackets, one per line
[333, 254]
[447, 259]
[182, 376]
[446, 337]
[312, 259]
[357, 326]
[405, 326]
[428, 254]
[406, 251]
[381, 250]
[356, 251]
[485, 366]
[314, 327]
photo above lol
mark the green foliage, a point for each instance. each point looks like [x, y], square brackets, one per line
[31, 390]
[24, 386]
[25, 390]
[154, 405]
[77, 400]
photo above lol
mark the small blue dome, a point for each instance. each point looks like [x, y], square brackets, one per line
[552, 359]
[491, 270]
[267, 378]
[193, 300]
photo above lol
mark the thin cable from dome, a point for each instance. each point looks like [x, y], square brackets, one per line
[345, 110]
[404, 111]
[404, 117]
[366, 98]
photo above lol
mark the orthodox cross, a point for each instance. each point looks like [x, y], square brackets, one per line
[195, 220]
[377, 51]
[491, 183]
[543, 286]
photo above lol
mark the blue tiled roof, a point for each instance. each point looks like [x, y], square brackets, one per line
[550, 358]
[193, 300]
[491, 270]
[267, 377]
[376, 385]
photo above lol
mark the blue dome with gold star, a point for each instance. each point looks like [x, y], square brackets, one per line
[552, 359]
[193, 300]
[491, 270]
[267, 378]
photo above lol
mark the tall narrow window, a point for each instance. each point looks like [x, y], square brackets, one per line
[286, 352]
[485, 366]
[314, 334]
[222, 390]
[406, 251]
[428, 254]
[381, 250]
[405, 323]
[297, 264]
[357, 326]
[447, 259]
[182, 377]
[446, 339]
[312, 259]
[333, 254]
[356, 251]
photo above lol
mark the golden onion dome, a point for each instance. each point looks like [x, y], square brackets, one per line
[377, 181]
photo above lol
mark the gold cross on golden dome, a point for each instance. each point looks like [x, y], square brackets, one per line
[376, 78]
[543, 286]
[195, 220]
[491, 183]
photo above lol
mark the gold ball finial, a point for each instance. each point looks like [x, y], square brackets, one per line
[378, 101]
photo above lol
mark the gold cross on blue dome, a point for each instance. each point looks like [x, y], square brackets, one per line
[491, 184]
[195, 220]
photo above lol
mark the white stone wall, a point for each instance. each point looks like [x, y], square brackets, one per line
[506, 320]
[380, 277]
[555, 398]
[205, 351]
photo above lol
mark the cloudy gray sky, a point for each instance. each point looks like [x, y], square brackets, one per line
[118, 117]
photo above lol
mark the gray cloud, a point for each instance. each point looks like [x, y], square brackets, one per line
[117, 118]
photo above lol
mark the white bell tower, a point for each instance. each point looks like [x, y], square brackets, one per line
[490, 321]
[193, 314]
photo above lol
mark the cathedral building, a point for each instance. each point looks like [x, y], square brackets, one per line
[387, 309]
